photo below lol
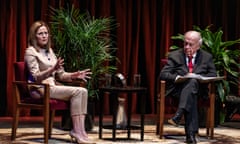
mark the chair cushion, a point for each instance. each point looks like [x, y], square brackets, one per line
[55, 104]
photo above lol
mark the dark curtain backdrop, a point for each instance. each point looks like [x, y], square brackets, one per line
[143, 35]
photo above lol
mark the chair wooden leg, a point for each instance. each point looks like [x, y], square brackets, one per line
[161, 108]
[46, 126]
[157, 118]
[211, 109]
[51, 121]
[157, 127]
[210, 124]
[161, 120]
[15, 124]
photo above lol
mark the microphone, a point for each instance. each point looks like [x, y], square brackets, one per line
[46, 52]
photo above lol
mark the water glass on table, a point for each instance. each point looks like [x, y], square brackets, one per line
[137, 80]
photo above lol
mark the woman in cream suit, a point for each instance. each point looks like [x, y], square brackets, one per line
[45, 67]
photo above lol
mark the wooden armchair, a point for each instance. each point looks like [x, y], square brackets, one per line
[22, 99]
[168, 103]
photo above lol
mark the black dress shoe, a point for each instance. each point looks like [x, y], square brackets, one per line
[190, 139]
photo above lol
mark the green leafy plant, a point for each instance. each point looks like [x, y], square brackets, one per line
[225, 56]
[84, 42]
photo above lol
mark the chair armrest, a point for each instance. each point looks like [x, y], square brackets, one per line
[29, 83]
[22, 88]
[161, 89]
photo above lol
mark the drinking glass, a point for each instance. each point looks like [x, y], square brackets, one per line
[137, 80]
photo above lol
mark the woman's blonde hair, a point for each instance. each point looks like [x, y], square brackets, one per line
[32, 41]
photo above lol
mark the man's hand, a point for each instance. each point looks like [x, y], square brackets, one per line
[179, 79]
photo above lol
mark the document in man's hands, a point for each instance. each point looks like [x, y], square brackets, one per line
[201, 78]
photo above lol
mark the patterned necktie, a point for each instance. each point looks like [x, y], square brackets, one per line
[190, 64]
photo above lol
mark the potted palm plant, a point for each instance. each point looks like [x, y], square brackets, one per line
[84, 42]
[225, 58]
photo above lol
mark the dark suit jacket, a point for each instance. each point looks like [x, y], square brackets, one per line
[176, 65]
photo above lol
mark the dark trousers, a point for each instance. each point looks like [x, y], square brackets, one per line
[188, 101]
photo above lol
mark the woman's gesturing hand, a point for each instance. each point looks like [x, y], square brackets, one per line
[84, 74]
[59, 64]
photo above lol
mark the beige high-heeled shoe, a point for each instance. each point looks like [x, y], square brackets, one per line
[78, 140]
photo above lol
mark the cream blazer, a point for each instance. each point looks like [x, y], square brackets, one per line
[39, 64]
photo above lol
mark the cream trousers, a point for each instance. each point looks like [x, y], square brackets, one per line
[78, 97]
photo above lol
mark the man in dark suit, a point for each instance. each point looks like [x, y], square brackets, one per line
[188, 91]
